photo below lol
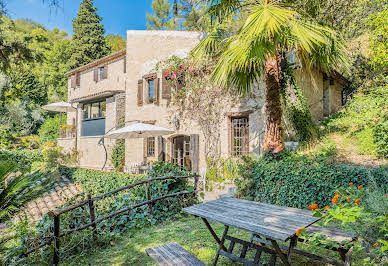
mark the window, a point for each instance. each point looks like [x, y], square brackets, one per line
[94, 110]
[102, 73]
[151, 147]
[240, 136]
[150, 90]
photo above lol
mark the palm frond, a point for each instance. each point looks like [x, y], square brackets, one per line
[222, 8]
[20, 190]
[211, 45]
[266, 20]
[240, 65]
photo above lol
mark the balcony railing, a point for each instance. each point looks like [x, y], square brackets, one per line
[68, 131]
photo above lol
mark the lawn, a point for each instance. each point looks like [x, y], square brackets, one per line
[189, 232]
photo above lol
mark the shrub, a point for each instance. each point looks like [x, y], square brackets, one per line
[24, 158]
[364, 213]
[118, 156]
[296, 181]
[381, 138]
[97, 182]
[30, 142]
[49, 131]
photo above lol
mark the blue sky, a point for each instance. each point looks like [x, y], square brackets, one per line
[118, 15]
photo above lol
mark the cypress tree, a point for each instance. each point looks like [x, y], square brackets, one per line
[88, 42]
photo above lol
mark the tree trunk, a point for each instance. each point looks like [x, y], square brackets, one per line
[273, 139]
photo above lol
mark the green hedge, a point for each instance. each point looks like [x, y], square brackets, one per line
[297, 181]
[97, 182]
[23, 158]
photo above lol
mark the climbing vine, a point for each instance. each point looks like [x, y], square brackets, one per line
[196, 99]
[295, 107]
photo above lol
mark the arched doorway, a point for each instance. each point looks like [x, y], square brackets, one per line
[181, 152]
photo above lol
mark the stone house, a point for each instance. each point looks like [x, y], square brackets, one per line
[124, 86]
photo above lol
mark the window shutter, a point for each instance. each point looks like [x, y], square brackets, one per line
[73, 85]
[78, 79]
[166, 87]
[140, 92]
[194, 152]
[95, 75]
[105, 71]
[157, 89]
[125, 64]
[161, 149]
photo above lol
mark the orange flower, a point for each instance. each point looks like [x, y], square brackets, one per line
[348, 199]
[357, 201]
[360, 186]
[298, 231]
[351, 184]
[327, 207]
[313, 206]
[376, 244]
[337, 194]
[334, 200]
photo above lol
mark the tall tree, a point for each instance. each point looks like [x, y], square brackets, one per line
[259, 49]
[162, 17]
[116, 42]
[88, 42]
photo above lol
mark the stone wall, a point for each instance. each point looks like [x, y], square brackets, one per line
[144, 50]
[114, 81]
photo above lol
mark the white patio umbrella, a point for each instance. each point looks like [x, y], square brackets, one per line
[59, 107]
[138, 130]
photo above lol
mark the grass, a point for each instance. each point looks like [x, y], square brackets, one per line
[189, 232]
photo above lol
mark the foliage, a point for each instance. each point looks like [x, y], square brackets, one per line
[162, 18]
[23, 158]
[116, 42]
[195, 98]
[88, 36]
[14, 48]
[296, 180]
[222, 169]
[381, 138]
[49, 130]
[364, 120]
[362, 211]
[30, 142]
[52, 155]
[378, 40]
[19, 189]
[295, 107]
[118, 156]
[96, 182]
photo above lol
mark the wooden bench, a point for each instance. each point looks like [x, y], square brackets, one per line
[328, 233]
[173, 254]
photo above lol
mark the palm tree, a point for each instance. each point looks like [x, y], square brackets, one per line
[271, 31]
[20, 189]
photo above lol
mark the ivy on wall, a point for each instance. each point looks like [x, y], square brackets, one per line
[295, 107]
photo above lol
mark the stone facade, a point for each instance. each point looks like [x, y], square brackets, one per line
[120, 90]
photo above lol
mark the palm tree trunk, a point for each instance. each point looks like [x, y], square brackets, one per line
[273, 139]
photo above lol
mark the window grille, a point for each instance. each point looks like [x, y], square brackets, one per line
[240, 136]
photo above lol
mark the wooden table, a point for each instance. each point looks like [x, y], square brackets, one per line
[275, 223]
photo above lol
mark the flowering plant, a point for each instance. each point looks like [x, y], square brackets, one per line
[363, 211]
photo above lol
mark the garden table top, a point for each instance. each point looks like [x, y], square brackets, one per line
[271, 221]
